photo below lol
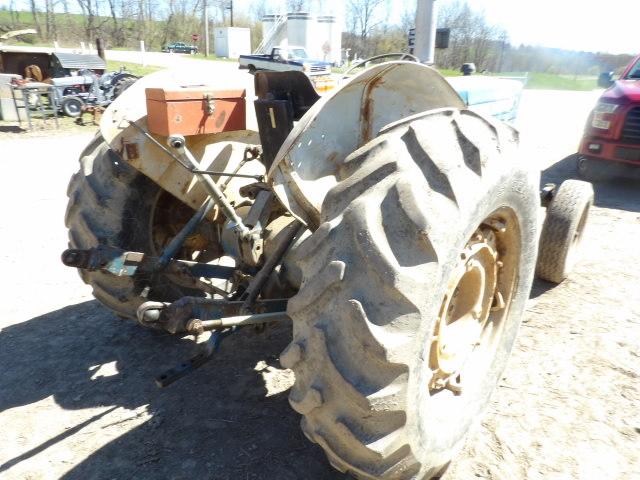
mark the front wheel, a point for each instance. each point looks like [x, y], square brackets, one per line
[563, 230]
[71, 106]
[413, 290]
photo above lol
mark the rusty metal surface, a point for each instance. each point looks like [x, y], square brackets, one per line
[342, 121]
[216, 152]
[195, 110]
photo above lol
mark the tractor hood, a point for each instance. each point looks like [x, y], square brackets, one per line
[308, 162]
[623, 91]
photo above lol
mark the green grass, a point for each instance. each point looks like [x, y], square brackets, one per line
[136, 69]
[551, 81]
[446, 72]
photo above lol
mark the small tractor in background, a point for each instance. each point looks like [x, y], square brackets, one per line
[86, 89]
[396, 229]
[79, 80]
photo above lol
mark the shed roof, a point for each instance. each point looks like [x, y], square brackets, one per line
[78, 61]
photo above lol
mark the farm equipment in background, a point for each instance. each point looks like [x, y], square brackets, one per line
[78, 80]
[86, 89]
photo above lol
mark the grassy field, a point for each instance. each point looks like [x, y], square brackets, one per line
[536, 81]
[549, 81]
[543, 81]
[134, 68]
[449, 73]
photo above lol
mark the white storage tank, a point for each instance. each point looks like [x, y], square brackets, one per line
[231, 42]
[301, 31]
[329, 35]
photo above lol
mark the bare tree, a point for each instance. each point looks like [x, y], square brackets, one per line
[34, 14]
[473, 38]
[365, 15]
[117, 32]
[298, 5]
[88, 8]
[257, 10]
[51, 24]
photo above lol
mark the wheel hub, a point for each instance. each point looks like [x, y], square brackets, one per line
[465, 315]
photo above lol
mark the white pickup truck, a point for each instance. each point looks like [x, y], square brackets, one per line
[283, 59]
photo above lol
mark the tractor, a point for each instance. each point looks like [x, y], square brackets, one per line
[397, 231]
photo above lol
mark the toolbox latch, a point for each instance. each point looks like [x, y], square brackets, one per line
[210, 104]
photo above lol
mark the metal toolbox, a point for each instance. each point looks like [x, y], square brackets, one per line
[194, 110]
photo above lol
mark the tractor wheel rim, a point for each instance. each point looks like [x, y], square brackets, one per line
[478, 296]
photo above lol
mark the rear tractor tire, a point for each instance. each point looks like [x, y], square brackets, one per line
[563, 230]
[122, 84]
[110, 203]
[413, 288]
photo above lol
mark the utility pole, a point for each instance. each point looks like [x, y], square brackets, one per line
[206, 28]
[426, 23]
[231, 10]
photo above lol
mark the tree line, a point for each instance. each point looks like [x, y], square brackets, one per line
[122, 23]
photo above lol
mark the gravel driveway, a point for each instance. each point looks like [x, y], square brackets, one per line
[77, 398]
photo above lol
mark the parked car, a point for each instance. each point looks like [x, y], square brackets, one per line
[611, 142]
[179, 47]
[283, 59]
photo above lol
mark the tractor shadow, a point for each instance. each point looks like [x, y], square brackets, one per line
[618, 193]
[217, 423]
[12, 129]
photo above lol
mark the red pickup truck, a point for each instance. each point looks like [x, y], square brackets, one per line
[611, 142]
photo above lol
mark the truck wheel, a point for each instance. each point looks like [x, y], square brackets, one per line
[563, 230]
[252, 69]
[71, 106]
[110, 203]
[413, 290]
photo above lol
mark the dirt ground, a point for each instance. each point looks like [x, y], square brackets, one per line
[78, 401]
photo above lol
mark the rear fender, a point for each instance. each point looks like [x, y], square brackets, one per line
[306, 165]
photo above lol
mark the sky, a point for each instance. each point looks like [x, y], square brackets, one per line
[589, 25]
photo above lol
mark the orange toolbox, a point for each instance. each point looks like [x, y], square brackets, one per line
[195, 110]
